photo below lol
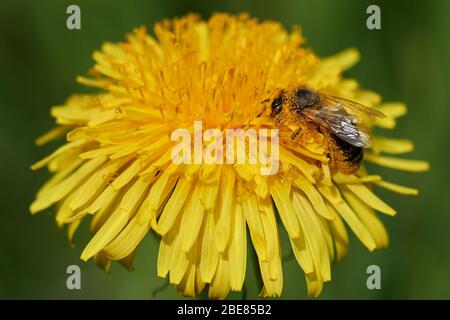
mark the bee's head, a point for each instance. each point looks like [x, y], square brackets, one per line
[305, 98]
[277, 104]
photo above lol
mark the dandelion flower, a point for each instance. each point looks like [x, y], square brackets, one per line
[116, 164]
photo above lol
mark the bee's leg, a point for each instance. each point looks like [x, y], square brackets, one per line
[295, 134]
[331, 155]
[279, 119]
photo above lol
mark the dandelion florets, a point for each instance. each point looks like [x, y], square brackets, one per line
[116, 168]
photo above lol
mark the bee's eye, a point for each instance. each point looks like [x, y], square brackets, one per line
[277, 106]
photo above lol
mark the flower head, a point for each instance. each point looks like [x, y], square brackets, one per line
[117, 165]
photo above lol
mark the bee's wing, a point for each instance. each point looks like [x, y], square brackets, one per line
[343, 125]
[354, 108]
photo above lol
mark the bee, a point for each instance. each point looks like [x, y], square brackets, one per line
[342, 124]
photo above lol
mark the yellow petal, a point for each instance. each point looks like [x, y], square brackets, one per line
[370, 198]
[269, 225]
[238, 250]
[127, 175]
[306, 168]
[73, 226]
[314, 196]
[340, 235]
[65, 148]
[397, 188]
[326, 174]
[351, 219]
[100, 152]
[302, 255]
[165, 250]
[209, 253]
[63, 188]
[369, 218]
[253, 219]
[51, 135]
[127, 240]
[344, 59]
[220, 286]
[285, 209]
[273, 287]
[127, 262]
[43, 196]
[392, 146]
[399, 164]
[209, 194]
[173, 206]
[94, 185]
[315, 240]
[314, 285]
[226, 203]
[350, 178]
[326, 231]
[116, 221]
[187, 284]
[103, 200]
[102, 260]
[393, 109]
[178, 261]
[192, 220]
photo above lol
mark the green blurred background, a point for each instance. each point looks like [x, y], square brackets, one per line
[407, 60]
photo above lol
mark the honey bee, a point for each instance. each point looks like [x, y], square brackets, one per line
[342, 123]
